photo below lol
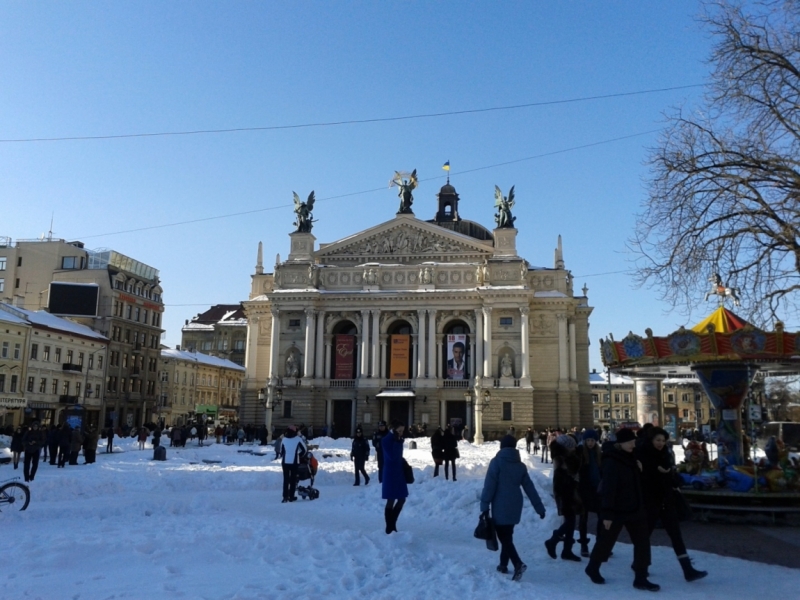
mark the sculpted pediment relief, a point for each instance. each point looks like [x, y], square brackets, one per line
[405, 239]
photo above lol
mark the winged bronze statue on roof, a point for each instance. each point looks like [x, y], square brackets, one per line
[304, 220]
[504, 205]
[407, 182]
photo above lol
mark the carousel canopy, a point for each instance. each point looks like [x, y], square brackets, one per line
[723, 320]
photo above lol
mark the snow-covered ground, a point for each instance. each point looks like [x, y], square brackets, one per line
[128, 527]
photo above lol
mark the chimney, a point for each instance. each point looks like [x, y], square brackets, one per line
[178, 347]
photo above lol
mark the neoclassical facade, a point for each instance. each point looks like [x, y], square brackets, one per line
[426, 321]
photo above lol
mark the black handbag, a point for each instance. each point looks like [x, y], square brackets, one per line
[408, 472]
[486, 531]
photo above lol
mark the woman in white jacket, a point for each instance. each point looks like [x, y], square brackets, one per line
[293, 448]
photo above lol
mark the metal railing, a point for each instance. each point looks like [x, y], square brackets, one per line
[398, 383]
[72, 367]
[455, 383]
[342, 383]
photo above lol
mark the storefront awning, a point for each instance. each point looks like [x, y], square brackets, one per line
[396, 394]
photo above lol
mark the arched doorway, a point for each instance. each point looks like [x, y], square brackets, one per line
[344, 357]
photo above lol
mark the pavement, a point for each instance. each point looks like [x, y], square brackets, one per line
[778, 545]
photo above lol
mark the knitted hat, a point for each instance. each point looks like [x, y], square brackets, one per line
[381, 423]
[508, 441]
[590, 434]
[625, 435]
[566, 441]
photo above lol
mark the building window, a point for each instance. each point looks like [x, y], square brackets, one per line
[606, 414]
[46, 353]
[34, 352]
[712, 413]
[54, 386]
[616, 398]
[2, 284]
[507, 411]
[607, 398]
[627, 413]
[294, 322]
[80, 358]
[43, 385]
[596, 414]
[128, 311]
[69, 262]
[65, 389]
[506, 321]
[137, 314]
[685, 413]
[100, 362]
[685, 398]
[78, 389]
[626, 398]
[13, 384]
[238, 345]
[4, 352]
[58, 355]
[16, 283]
[31, 383]
[91, 362]
[69, 356]
[2, 263]
[96, 390]
[287, 409]
[595, 398]
[17, 351]
[2, 383]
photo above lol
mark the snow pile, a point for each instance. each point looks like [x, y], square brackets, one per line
[190, 527]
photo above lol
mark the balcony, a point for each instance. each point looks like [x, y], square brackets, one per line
[398, 384]
[343, 383]
[72, 367]
[497, 383]
[69, 399]
[137, 348]
[456, 383]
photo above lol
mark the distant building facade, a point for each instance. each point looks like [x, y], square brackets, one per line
[220, 331]
[429, 322]
[128, 311]
[193, 384]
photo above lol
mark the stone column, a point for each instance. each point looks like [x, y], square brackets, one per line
[439, 354]
[376, 334]
[573, 354]
[251, 358]
[414, 355]
[487, 343]
[364, 370]
[525, 339]
[274, 342]
[319, 367]
[478, 334]
[432, 344]
[563, 359]
[308, 359]
[328, 347]
[421, 347]
[383, 339]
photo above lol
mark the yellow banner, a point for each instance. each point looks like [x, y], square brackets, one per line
[400, 357]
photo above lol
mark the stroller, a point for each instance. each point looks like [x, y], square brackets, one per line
[307, 470]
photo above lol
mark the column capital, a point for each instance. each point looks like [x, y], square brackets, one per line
[274, 311]
[310, 311]
[375, 311]
[524, 311]
[432, 312]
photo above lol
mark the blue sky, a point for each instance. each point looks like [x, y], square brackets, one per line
[89, 69]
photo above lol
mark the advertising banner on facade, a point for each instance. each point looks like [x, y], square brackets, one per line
[6, 402]
[457, 357]
[344, 357]
[671, 422]
[400, 357]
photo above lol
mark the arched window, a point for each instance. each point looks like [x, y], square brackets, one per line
[399, 357]
[344, 357]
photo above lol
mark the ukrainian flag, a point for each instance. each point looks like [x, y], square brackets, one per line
[446, 166]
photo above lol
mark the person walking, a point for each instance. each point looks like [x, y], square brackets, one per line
[449, 451]
[501, 494]
[622, 505]
[377, 438]
[76, 442]
[659, 496]
[17, 446]
[90, 446]
[529, 436]
[32, 442]
[543, 435]
[565, 491]
[52, 443]
[359, 454]
[143, 433]
[589, 473]
[240, 436]
[291, 452]
[394, 488]
[110, 440]
[437, 450]
[64, 442]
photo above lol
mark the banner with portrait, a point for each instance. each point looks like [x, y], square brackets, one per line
[344, 357]
[457, 359]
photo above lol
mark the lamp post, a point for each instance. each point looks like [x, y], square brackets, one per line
[274, 394]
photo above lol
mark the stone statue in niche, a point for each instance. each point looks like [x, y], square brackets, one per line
[371, 276]
[292, 368]
[479, 275]
[506, 366]
[426, 275]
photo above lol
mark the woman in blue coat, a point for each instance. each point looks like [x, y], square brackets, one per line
[395, 488]
[504, 477]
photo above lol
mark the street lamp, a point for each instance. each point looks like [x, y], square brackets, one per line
[274, 394]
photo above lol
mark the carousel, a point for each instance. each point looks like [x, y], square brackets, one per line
[726, 354]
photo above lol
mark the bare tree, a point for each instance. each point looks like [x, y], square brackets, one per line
[724, 193]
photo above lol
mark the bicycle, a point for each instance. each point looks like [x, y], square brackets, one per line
[14, 494]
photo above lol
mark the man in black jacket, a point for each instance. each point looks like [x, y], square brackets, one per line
[32, 442]
[622, 505]
[377, 438]
[359, 454]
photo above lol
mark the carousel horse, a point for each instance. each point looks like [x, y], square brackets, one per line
[719, 289]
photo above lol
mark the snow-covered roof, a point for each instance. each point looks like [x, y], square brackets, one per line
[602, 378]
[45, 319]
[11, 317]
[199, 357]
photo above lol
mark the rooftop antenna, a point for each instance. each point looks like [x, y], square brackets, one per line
[50, 233]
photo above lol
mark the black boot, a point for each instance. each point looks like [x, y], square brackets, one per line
[398, 508]
[584, 547]
[387, 514]
[566, 552]
[689, 572]
[366, 479]
[552, 543]
[641, 583]
[518, 571]
[593, 571]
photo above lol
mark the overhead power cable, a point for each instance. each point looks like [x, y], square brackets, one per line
[348, 122]
[279, 206]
